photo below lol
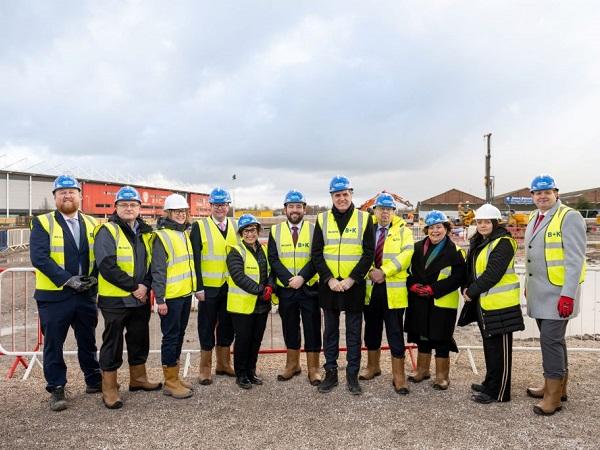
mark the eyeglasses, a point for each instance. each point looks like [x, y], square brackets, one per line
[220, 205]
[179, 211]
[250, 230]
[66, 192]
[132, 205]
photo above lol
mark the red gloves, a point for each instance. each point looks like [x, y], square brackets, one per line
[415, 288]
[267, 291]
[421, 291]
[565, 306]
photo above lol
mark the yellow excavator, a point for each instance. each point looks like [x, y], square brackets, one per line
[466, 215]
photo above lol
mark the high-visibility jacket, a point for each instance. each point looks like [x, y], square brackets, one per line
[451, 299]
[398, 249]
[506, 292]
[57, 247]
[181, 275]
[125, 258]
[342, 251]
[238, 300]
[553, 248]
[214, 250]
[294, 258]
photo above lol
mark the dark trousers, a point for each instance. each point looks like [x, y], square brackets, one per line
[249, 331]
[442, 348]
[376, 314]
[293, 304]
[331, 339]
[80, 313]
[554, 347]
[497, 351]
[134, 321]
[173, 325]
[212, 314]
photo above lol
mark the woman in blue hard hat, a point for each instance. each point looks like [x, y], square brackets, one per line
[248, 299]
[437, 271]
[493, 287]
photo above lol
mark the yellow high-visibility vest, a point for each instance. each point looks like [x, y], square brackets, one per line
[181, 274]
[294, 258]
[553, 248]
[214, 250]
[57, 247]
[506, 292]
[398, 249]
[238, 300]
[342, 251]
[451, 299]
[125, 259]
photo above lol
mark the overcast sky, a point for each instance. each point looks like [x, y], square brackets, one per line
[395, 95]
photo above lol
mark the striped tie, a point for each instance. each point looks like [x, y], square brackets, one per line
[379, 247]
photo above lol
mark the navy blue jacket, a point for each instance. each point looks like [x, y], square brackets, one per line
[39, 252]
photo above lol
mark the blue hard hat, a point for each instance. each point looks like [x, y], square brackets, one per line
[246, 220]
[219, 196]
[128, 193]
[339, 183]
[434, 217]
[294, 196]
[66, 182]
[384, 200]
[542, 183]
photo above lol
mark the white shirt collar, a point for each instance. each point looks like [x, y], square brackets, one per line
[299, 225]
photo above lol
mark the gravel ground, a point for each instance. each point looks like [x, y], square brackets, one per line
[294, 415]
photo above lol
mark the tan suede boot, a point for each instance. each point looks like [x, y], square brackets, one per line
[205, 367]
[224, 362]
[551, 401]
[138, 379]
[373, 368]
[442, 372]
[110, 391]
[422, 373]
[292, 366]
[537, 392]
[314, 368]
[173, 387]
[184, 383]
[399, 377]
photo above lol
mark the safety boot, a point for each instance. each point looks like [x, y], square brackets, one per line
[58, 401]
[442, 372]
[422, 373]
[110, 391]
[353, 384]
[180, 378]
[373, 368]
[223, 366]
[205, 367]
[551, 401]
[173, 387]
[538, 392]
[399, 377]
[314, 369]
[330, 381]
[292, 366]
[138, 379]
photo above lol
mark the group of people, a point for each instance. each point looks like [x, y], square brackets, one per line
[366, 266]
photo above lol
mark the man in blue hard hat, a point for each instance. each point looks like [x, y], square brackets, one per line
[555, 243]
[210, 237]
[60, 249]
[123, 250]
[342, 252]
[289, 255]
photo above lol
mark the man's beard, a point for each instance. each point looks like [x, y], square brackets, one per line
[295, 219]
[68, 208]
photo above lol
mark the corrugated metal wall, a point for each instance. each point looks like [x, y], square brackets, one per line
[41, 194]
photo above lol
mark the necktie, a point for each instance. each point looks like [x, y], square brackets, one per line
[295, 235]
[74, 226]
[222, 226]
[379, 247]
[539, 219]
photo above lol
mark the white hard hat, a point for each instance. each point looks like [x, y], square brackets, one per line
[176, 201]
[488, 211]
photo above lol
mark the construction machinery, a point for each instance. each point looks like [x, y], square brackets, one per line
[399, 199]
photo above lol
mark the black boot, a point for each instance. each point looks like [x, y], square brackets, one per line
[330, 381]
[254, 379]
[243, 382]
[58, 402]
[353, 385]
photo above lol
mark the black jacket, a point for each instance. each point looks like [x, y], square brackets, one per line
[352, 300]
[423, 318]
[506, 320]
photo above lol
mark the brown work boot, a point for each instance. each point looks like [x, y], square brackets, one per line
[173, 387]
[138, 379]
[292, 366]
[399, 377]
[181, 380]
[373, 368]
[314, 368]
[422, 373]
[551, 401]
[442, 372]
[224, 362]
[110, 391]
[205, 367]
[537, 392]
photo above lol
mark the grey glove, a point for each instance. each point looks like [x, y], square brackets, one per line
[81, 283]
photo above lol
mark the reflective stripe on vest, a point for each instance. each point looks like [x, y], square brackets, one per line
[125, 259]
[506, 292]
[397, 253]
[214, 250]
[238, 300]
[553, 248]
[451, 299]
[57, 247]
[181, 275]
[342, 252]
[294, 258]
